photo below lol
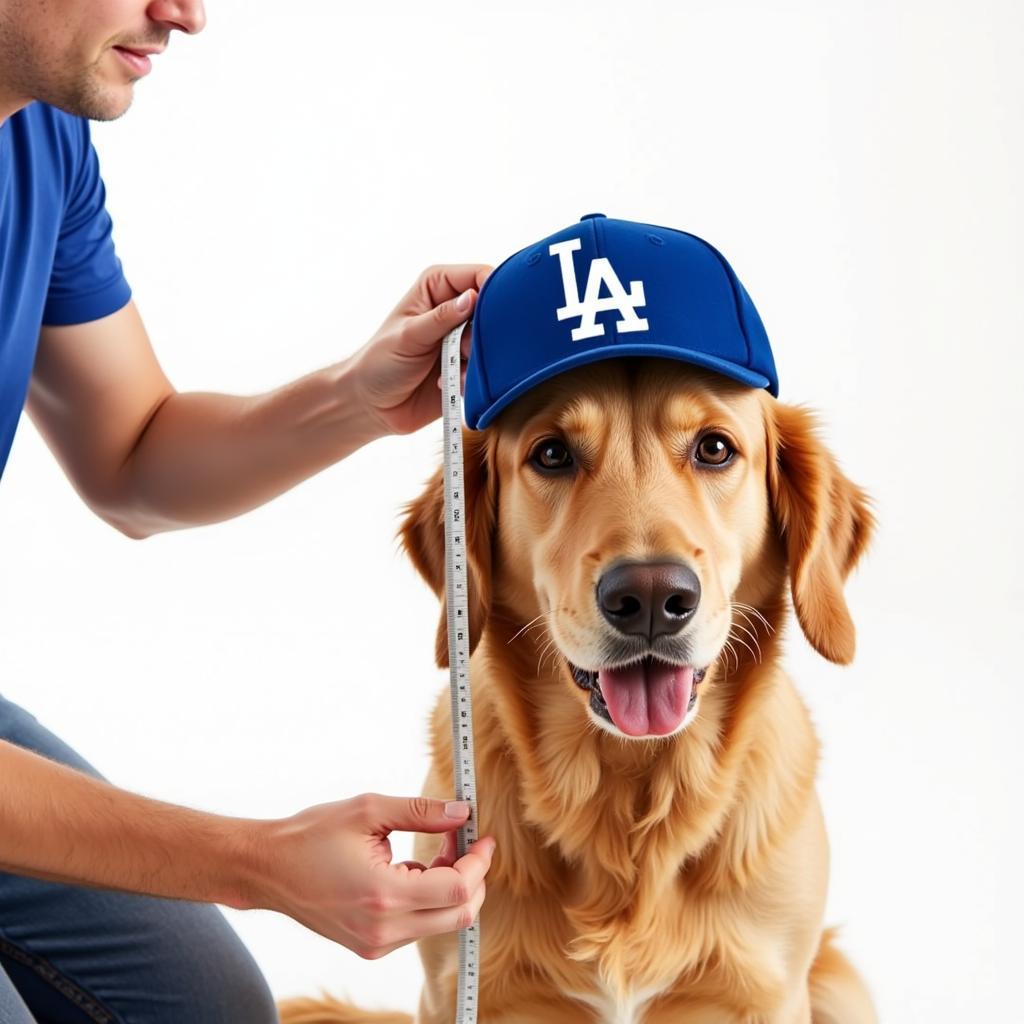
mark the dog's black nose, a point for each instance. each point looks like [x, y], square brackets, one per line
[649, 598]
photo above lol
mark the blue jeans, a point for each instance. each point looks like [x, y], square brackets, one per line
[73, 955]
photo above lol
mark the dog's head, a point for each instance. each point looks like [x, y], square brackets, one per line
[646, 514]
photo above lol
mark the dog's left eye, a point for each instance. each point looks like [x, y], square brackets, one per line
[551, 454]
[714, 450]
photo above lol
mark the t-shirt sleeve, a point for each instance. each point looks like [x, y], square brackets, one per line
[86, 282]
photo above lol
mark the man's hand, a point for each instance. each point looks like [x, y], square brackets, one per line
[396, 372]
[329, 867]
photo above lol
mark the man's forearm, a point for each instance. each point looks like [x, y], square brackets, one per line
[64, 826]
[147, 458]
[204, 458]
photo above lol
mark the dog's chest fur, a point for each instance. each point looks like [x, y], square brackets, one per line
[586, 905]
[613, 1009]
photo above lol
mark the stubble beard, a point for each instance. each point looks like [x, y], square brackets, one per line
[80, 92]
[85, 95]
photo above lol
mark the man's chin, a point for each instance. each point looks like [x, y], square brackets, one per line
[108, 108]
[112, 111]
[93, 98]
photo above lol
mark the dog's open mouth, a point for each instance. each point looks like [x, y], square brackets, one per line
[646, 697]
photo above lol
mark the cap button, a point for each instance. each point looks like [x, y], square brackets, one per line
[591, 216]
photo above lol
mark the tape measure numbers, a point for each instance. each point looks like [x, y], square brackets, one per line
[456, 580]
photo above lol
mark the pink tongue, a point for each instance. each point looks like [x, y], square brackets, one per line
[647, 697]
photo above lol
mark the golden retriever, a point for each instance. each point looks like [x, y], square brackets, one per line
[635, 527]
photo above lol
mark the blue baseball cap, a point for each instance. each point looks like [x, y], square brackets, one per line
[606, 288]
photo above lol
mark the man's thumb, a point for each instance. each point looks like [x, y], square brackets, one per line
[425, 332]
[420, 814]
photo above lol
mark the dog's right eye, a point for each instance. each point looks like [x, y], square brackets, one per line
[551, 455]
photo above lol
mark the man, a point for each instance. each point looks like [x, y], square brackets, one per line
[78, 939]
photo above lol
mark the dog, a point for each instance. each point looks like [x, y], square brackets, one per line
[637, 529]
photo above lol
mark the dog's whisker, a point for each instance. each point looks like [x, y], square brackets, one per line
[528, 625]
[747, 630]
[549, 649]
[750, 629]
[740, 608]
[545, 652]
[746, 618]
[553, 652]
[540, 655]
[754, 624]
[750, 608]
[728, 648]
[538, 625]
[538, 622]
[753, 638]
[740, 640]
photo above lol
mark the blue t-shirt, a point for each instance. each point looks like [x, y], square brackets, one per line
[57, 261]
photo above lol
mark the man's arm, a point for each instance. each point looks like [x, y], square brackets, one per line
[148, 459]
[65, 826]
[328, 867]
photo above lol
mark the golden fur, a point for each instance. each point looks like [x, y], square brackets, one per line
[671, 879]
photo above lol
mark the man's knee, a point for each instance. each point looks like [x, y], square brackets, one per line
[199, 971]
[229, 990]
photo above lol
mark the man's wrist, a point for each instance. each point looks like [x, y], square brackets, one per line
[257, 849]
[246, 882]
[356, 418]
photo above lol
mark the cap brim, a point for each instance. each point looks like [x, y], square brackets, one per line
[593, 355]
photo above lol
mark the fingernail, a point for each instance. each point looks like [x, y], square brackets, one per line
[462, 302]
[456, 809]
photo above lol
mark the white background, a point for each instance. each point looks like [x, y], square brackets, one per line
[279, 183]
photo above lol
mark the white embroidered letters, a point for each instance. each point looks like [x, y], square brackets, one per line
[618, 298]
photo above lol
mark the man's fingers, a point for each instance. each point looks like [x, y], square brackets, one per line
[413, 864]
[443, 282]
[410, 813]
[420, 923]
[453, 919]
[440, 283]
[424, 333]
[440, 887]
[448, 853]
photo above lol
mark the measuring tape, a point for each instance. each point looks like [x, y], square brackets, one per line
[456, 582]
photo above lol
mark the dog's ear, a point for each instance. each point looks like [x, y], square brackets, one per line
[422, 535]
[824, 521]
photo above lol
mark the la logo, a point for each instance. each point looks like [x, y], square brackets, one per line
[601, 272]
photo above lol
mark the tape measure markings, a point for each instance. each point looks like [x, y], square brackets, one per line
[456, 579]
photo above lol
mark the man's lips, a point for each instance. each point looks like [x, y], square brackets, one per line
[137, 58]
[646, 697]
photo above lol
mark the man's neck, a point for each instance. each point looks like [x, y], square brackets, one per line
[10, 105]
[11, 101]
